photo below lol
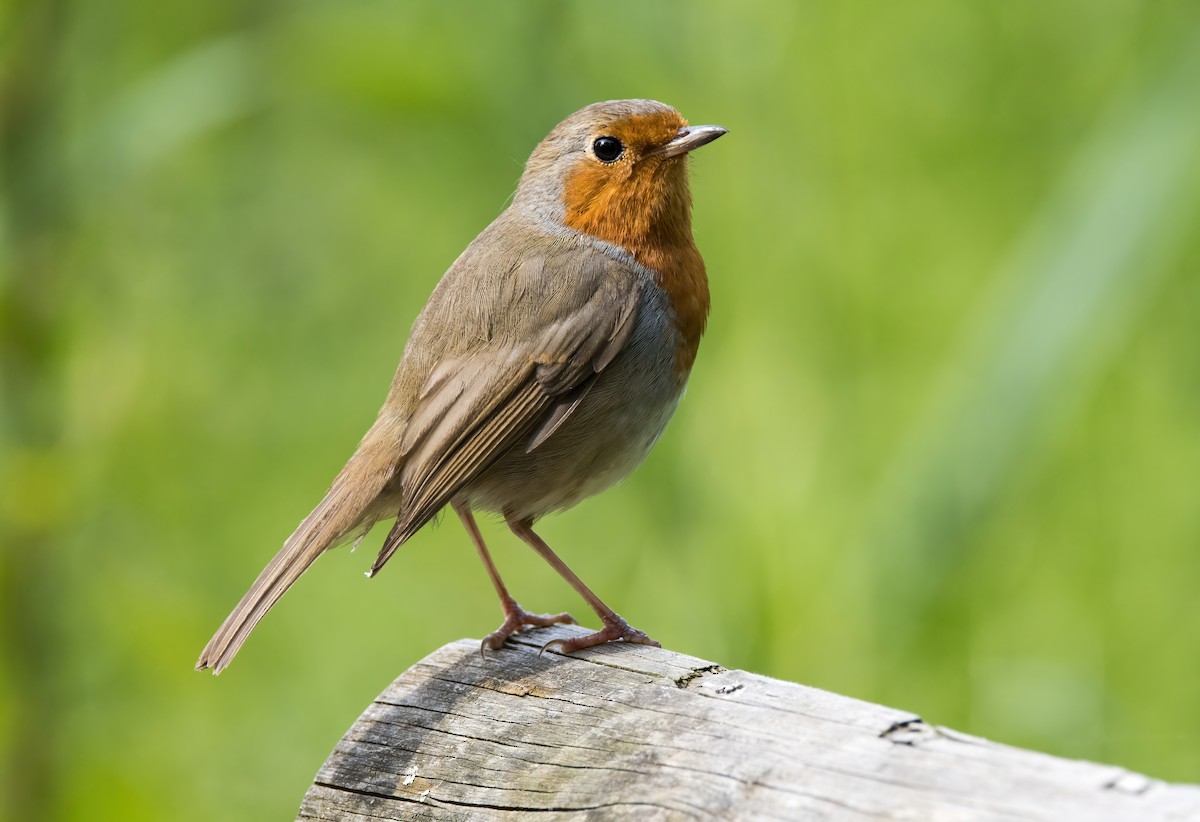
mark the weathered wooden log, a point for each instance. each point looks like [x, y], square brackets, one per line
[631, 731]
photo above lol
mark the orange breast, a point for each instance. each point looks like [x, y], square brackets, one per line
[646, 209]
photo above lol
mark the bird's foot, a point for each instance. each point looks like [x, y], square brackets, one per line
[615, 628]
[517, 618]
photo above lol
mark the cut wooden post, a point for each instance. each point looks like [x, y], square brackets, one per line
[645, 733]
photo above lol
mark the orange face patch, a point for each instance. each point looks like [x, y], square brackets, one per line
[641, 202]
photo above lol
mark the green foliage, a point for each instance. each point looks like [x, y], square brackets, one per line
[940, 450]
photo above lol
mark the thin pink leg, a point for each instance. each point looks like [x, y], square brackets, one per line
[615, 628]
[515, 617]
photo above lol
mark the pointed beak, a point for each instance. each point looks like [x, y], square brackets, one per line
[691, 137]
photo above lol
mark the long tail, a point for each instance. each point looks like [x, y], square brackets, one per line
[350, 504]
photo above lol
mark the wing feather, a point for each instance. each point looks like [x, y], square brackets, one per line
[475, 407]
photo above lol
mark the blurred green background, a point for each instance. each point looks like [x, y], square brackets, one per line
[940, 449]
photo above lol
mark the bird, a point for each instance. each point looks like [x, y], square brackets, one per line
[541, 371]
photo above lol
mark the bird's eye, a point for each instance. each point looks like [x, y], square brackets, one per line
[608, 149]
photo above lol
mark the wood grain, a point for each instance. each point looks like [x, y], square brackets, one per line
[630, 731]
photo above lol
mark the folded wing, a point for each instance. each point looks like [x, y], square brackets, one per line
[516, 389]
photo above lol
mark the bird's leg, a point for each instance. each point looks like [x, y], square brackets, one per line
[614, 626]
[515, 617]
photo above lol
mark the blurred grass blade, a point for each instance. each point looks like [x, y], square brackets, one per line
[1072, 288]
[203, 89]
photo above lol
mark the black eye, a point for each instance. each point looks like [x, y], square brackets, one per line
[608, 149]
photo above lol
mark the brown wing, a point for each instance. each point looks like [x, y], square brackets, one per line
[511, 391]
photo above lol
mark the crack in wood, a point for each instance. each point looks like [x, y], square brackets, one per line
[1130, 783]
[429, 797]
[694, 674]
[565, 809]
[908, 732]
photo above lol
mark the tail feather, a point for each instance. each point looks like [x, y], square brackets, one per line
[349, 505]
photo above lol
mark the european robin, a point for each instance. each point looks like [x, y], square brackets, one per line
[543, 368]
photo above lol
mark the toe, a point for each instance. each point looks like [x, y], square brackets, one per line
[638, 638]
[614, 631]
[546, 620]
